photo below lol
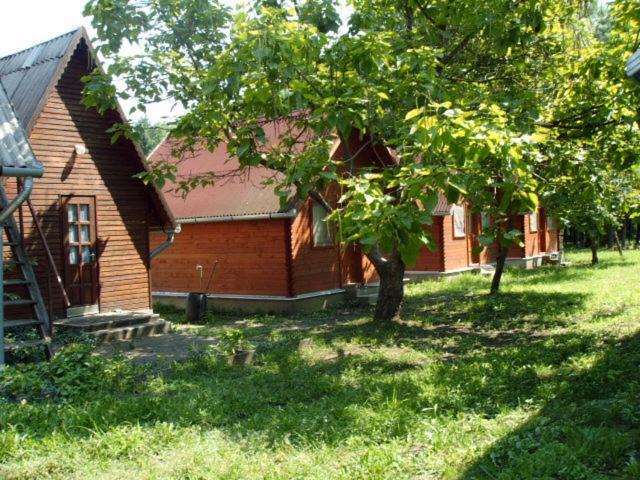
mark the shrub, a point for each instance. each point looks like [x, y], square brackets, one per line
[74, 372]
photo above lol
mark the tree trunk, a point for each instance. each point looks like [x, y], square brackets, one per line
[617, 242]
[594, 249]
[497, 276]
[637, 234]
[390, 269]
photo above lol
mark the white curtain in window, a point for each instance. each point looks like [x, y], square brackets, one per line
[533, 222]
[322, 231]
[457, 212]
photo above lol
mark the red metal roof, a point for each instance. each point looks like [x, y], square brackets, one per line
[443, 207]
[235, 192]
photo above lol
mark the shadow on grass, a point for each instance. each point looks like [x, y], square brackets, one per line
[589, 429]
[287, 397]
[511, 310]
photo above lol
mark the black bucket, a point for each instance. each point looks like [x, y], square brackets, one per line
[196, 306]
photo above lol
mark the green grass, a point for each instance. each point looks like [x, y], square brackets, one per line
[539, 382]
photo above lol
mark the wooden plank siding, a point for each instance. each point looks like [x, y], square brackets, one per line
[123, 210]
[313, 268]
[431, 260]
[455, 251]
[251, 255]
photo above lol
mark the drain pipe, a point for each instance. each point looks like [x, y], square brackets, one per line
[20, 198]
[171, 236]
[11, 207]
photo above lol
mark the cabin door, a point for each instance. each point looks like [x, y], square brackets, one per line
[542, 230]
[79, 247]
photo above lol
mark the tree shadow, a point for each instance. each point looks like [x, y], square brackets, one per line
[288, 396]
[589, 429]
[511, 310]
[557, 274]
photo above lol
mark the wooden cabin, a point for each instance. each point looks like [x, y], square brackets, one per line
[86, 226]
[456, 233]
[266, 257]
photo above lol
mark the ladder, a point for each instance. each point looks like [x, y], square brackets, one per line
[21, 290]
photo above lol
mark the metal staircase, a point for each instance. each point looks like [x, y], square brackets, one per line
[20, 290]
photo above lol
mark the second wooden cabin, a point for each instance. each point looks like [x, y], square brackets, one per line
[276, 259]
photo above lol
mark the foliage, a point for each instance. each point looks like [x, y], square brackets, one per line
[590, 169]
[148, 134]
[72, 374]
[454, 92]
[539, 382]
[233, 341]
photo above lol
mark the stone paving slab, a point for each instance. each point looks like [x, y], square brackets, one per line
[171, 346]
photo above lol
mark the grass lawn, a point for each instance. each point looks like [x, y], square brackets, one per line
[541, 381]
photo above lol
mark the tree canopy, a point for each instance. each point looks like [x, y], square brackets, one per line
[473, 98]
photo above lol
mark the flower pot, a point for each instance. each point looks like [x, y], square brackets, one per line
[243, 357]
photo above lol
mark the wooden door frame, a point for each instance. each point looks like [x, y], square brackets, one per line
[64, 230]
[542, 231]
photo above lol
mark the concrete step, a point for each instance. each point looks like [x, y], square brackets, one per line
[26, 322]
[12, 346]
[92, 323]
[156, 327]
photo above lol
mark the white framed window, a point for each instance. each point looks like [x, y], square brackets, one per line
[459, 225]
[533, 222]
[322, 229]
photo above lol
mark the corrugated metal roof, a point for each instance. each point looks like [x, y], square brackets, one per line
[235, 193]
[28, 74]
[15, 150]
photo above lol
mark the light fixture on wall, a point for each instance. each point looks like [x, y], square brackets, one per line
[80, 149]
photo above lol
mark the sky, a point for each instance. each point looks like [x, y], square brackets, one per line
[27, 22]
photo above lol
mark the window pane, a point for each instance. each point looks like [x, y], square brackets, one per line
[72, 213]
[533, 222]
[85, 233]
[86, 254]
[74, 255]
[84, 213]
[322, 230]
[457, 212]
[73, 233]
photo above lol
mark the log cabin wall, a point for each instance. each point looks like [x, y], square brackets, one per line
[531, 239]
[516, 251]
[251, 255]
[455, 249]
[431, 260]
[313, 268]
[553, 240]
[104, 172]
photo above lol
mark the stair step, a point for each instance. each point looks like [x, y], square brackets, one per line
[92, 323]
[15, 303]
[27, 344]
[157, 327]
[26, 322]
[16, 282]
